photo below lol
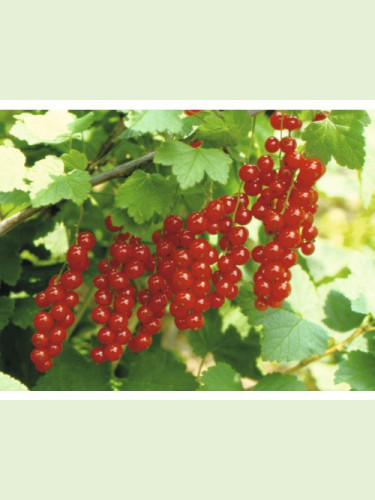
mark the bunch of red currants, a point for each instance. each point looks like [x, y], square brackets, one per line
[59, 298]
[196, 262]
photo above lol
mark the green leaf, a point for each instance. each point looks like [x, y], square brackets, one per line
[158, 371]
[10, 261]
[49, 128]
[228, 347]
[55, 241]
[81, 124]
[50, 184]
[340, 136]
[15, 197]
[24, 312]
[227, 130]
[12, 169]
[190, 165]
[74, 160]
[340, 316]
[73, 372]
[292, 332]
[359, 285]
[8, 383]
[144, 194]
[6, 311]
[278, 382]
[358, 370]
[221, 377]
[153, 121]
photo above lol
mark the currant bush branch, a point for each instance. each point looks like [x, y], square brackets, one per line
[123, 170]
[339, 347]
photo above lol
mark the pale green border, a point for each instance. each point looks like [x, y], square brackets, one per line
[187, 450]
[192, 50]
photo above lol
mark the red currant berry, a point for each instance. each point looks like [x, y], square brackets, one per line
[280, 290]
[307, 248]
[194, 321]
[39, 339]
[152, 327]
[240, 255]
[216, 300]
[134, 269]
[273, 251]
[200, 270]
[288, 144]
[273, 271]
[97, 354]
[260, 305]
[173, 223]
[43, 321]
[54, 350]
[55, 293]
[277, 120]
[292, 123]
[123, 336]
[67, 321]
[71, 280]
[272, 145]
[113, 352]
[289, 238]
[257, 254]
[273, 221]
[242, 217]
[226, 263]
[44, 367]
[199, 249]
[59, 311]
[145, 314]
[213, 256]
[118, 321]
[76, 254]
[39, 356]
[103, 297]
[86, 240]
[106, 335]
[214, 211]
[248, 173]
[121, 252]
[100, 315]
[140, 342]
[109, 225]
[238, 235]
[201, 287]
[41, 300]
[265, 163]
[182, 279]
[289, 259]
[196, 223]
[294, 160]
[229, 203]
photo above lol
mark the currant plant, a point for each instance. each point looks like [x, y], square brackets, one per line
[179, 250]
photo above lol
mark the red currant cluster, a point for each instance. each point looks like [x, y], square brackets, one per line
[286, 205]
[186, 274]
[116, 295]
[181, 275]
[60, 298]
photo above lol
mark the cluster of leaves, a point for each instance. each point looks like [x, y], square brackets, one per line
[47, 160]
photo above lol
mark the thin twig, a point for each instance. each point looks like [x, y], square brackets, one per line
[123, 170]
[340, 347]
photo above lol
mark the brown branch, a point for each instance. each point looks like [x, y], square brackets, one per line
[340, 347]
[123, 170]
